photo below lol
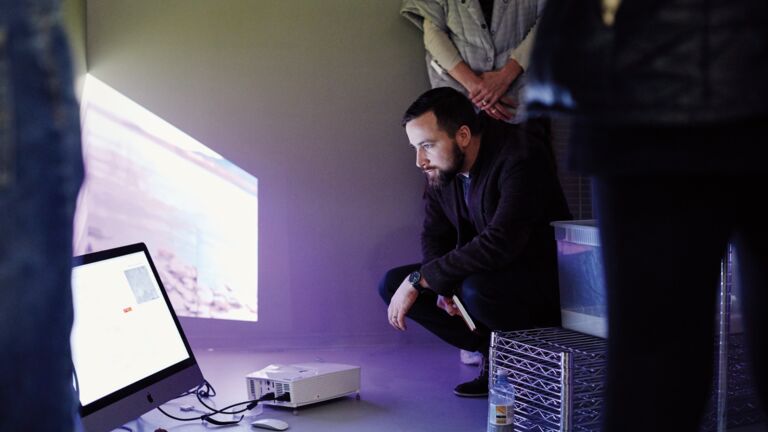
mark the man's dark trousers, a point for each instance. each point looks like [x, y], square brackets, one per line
[495, 301]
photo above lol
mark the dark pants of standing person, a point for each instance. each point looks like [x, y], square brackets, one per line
[494, 300]
[663, 237]
[41, 170]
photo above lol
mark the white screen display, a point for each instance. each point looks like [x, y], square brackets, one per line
[123, 330]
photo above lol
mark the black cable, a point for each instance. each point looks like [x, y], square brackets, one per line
[205, 390]
[207, 417]
[179, 418]
[251, 403]
[212, 420]
[208, 392]
[204, 417]
[221, 411]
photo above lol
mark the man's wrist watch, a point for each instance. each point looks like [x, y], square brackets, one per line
[414, 279]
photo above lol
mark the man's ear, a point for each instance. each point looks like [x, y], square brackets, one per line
[463, 136]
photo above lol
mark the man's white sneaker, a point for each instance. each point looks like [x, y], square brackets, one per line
[470, 358]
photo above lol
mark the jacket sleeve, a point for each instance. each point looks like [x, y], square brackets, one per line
[522, 52]
[438, 235]
[503, 239]
[440, 45]
[416, 11]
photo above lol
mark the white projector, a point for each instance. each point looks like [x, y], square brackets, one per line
[307, 383]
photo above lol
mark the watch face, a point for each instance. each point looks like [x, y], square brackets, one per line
[414, 278]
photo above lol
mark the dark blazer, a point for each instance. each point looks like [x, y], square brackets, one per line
[677, 69]
[690, 61]
[514, 195]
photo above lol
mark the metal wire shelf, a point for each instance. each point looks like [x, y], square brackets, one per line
[558, 377]
[741, 403]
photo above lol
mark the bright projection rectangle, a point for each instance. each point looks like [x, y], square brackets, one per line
[149, 182]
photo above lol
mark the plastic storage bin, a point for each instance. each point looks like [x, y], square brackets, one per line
[582, 284]
[583, 308]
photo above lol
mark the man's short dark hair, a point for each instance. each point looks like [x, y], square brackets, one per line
[451, 108]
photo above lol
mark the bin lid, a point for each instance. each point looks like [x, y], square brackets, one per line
[583, 232]
[583, 223]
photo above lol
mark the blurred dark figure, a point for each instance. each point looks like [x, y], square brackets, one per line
[669, 101]
[40, 175]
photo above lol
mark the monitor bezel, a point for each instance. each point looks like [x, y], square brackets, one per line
[140, 397]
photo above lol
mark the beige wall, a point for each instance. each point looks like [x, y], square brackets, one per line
[73, 12]
[307, 96]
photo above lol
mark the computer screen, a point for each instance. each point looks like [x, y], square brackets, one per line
[129, 351]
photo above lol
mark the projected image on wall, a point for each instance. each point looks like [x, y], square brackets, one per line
[197, 212]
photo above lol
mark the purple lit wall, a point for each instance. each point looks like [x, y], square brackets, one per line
[306, 95]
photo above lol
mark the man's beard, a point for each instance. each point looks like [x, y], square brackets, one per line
[443, 177]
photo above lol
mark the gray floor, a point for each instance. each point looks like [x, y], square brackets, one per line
[405, 388]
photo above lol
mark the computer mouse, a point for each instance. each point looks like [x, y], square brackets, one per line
[270, 424]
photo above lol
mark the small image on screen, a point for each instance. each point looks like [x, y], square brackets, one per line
[141, 284]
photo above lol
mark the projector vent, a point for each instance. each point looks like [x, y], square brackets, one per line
[281, 388]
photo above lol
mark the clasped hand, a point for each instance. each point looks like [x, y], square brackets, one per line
[488, 94]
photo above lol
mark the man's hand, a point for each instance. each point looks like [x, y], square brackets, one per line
[447, 305]
[401, 303]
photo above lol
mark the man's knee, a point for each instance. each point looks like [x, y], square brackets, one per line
[477, 291]
[387, 286]
[392, 280]
[384, 288]
[469, 297]
[496, 301]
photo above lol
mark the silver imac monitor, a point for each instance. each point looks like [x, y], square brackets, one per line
[129, 351]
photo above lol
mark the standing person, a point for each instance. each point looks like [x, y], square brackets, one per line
[486, 236]
[479, 47]
[40, 174]
[673, 128]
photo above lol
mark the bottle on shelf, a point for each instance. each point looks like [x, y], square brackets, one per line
[501, 400]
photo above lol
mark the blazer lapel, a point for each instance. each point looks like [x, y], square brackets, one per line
[476, 12]
[499, 10]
